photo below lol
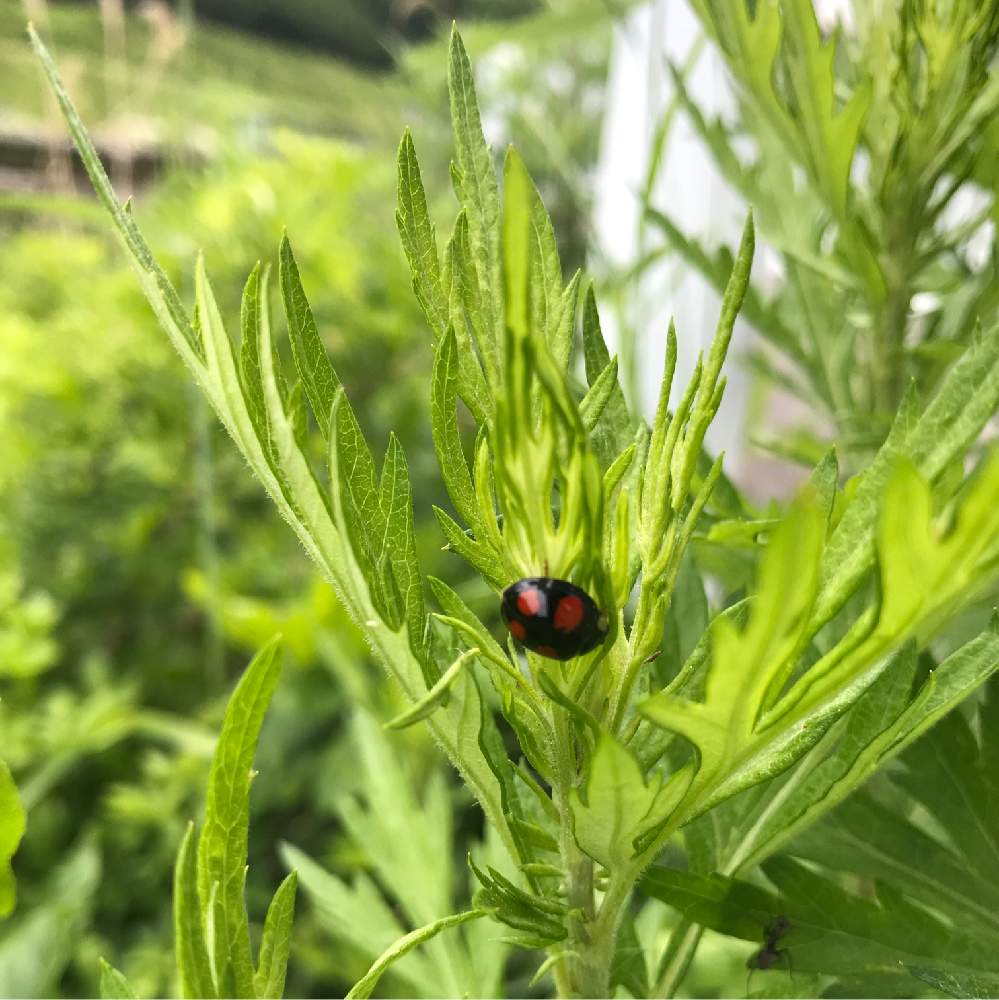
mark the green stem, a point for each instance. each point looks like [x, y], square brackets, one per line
[682, 948]
[586, 972]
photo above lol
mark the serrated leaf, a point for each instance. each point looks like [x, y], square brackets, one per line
[364, 987]
[398, 546]
[544, 272]
[114, 986]
[614, 431]
[161, 294]
[419, 240]
[295, 491]
[312, 362]
[476, 185]
[516, 245]
[444, 424]
[457, 608]
[12, 826]
[223, 840]
[468, 310]
[252, 316]
[965, 400]
[352, 475]
[441, 293]
[593, 404]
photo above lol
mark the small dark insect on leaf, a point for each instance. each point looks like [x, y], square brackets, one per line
[769, 955]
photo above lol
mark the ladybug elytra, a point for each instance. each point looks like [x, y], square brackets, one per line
[553, 618]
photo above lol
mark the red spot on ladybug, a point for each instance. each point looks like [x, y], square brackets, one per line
[531, 603]
[569, 614]
[554, 618]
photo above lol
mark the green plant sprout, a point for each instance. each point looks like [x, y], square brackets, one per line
[765, 725]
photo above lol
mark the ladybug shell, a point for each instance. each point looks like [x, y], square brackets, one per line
[553, 618]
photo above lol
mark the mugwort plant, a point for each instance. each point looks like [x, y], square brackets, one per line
[788, 699]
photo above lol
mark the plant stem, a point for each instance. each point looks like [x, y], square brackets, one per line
[586, 973]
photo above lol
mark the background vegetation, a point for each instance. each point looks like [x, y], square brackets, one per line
[140, 564]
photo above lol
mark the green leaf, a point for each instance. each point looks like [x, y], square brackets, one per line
[444, 423]
[311, 360]
[161, 294]
[830, 930]
[965, 401]
[517, 237]
[869, 840]
[614, 430]
[547, 308]
[352, 474]
[480, 555]
[114, 986]
[442, 295]
[357, 915]
[222, 844]
[12, 825]
[39, 943]
[419, 240]
[470, 317]
[252, 317]
[476, 185]
[436, 696]
[193, 963]
[722, 726]
[945, 774]
[275, 943]
[364, 986]
[455, 607]
[618, 805]
[593, 404]
[398, 547]
[963, 985]
[831, 138]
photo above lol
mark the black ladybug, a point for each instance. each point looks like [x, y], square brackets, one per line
[554, 618]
